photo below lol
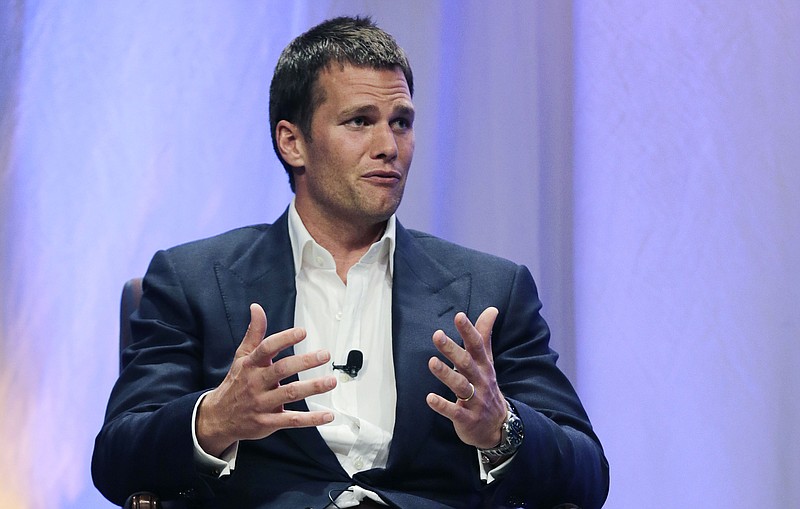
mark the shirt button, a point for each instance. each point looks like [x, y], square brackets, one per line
[339, 315]
[358, 463]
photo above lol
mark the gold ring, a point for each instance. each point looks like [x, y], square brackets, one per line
[464, 400]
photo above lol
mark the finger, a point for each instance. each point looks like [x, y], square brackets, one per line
[456, 382]
[292, 419]
[296, 391]
[294, 364]
[270, 346]
[454, 353]
[484, 326]
[444, 407]
[474, 341]
[256, 330]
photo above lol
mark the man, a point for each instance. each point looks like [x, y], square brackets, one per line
[458, 402]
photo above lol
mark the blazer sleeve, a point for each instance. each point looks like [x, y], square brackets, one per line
[145, 443]
[561, 459]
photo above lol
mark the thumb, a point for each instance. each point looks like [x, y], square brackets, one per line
[484, 325]
[256, 331]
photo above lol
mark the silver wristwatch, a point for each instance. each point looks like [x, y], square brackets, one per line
[511, 437]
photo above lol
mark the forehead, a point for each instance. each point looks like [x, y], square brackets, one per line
[348, 84]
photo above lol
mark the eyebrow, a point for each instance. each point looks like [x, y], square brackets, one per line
[359, 110]
[367, 109]
[408, 111]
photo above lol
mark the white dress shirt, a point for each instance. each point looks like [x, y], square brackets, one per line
[341, 318]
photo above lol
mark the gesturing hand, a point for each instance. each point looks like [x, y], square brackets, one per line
[248, 404]
[480, 408]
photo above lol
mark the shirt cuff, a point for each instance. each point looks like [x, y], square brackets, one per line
[222, 466]
[489, 476]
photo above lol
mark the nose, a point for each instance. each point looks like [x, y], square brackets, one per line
[384, 144]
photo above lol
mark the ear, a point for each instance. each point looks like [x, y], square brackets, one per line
[291, 143]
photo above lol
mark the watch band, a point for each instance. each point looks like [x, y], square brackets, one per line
[511, 437]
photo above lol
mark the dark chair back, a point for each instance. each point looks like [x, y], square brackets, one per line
[131, 295]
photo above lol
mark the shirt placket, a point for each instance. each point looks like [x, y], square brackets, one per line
[349, 337]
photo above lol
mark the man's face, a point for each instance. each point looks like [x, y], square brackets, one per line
[362, 141]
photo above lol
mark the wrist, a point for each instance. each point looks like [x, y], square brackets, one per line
[511, 435]
[209, 430]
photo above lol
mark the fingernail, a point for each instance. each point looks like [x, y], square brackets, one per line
[323, 356]
[328, 417]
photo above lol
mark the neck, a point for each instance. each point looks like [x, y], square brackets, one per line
[346, 242]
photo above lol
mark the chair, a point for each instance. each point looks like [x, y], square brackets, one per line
[131, 295]
[143, 501]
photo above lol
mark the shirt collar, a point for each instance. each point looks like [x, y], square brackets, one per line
[305, 248]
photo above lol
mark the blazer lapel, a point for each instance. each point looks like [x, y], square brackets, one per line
[425, 297]
[265, 274]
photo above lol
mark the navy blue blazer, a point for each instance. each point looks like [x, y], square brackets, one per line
[195, 311]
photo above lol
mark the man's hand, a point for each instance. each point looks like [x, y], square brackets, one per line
[248, 404]
[480, 408]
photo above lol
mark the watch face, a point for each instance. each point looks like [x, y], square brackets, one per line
[515, 431]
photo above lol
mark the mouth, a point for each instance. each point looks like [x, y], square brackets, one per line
[383, 176]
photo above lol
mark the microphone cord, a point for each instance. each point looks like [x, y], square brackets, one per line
[333, 499]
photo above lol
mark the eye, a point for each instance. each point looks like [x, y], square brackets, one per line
[357, 122]
[402, 124]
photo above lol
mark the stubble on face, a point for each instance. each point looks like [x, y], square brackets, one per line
[359, 153]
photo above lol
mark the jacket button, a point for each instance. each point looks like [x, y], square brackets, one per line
[187, 493]
[515, 503]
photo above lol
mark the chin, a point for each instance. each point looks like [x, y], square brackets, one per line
[383, 209]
